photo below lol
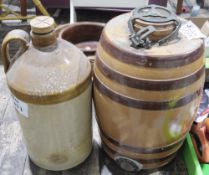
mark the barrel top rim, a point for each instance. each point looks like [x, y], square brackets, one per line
[117, 33]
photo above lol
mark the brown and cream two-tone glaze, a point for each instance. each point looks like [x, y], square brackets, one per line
[52, 82]
[145, 99]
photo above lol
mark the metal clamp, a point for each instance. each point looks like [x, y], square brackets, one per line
[140, 38]
[151, 13]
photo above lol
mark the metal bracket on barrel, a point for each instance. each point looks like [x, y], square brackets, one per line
[140, 39]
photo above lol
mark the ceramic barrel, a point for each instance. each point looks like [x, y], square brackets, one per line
[145, 99]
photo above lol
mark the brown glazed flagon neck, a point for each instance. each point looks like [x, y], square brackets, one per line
[44, 39]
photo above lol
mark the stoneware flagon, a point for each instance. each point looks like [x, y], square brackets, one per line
[148, 80]
[51, 87]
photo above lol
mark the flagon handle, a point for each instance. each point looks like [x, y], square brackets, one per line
[18, 35]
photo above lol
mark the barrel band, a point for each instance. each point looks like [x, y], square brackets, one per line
[146, 105]
[146, 84]
[54, 98]
[141, 150]
[150, 61]
[144, 161]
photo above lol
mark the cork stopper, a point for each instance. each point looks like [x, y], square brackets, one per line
[42, 24]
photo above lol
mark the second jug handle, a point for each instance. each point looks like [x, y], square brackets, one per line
[16, 34]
